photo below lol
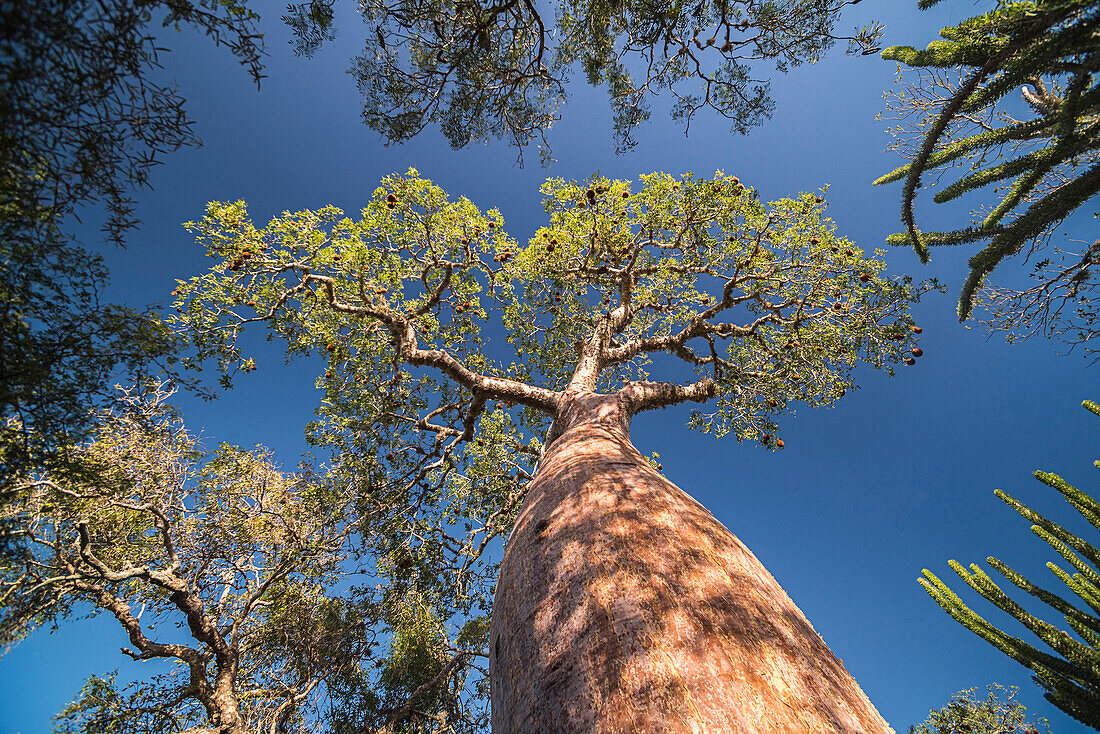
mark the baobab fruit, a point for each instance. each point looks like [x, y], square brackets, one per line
[391, 199]
[251, 304]
[328, 375]
[253, 368]
[773, 402]
[818, 199]
[337, 258]
[918, 352]
[779, 443]
[814, 240]
[331, 347]
[916, 329]
[766, 439]
[175, 293]
[391, 205]
[626, 194]
[910, 361]
[864, 277]
[557, 298]
[465, 240]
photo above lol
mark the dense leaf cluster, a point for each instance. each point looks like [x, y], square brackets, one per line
[968, 714]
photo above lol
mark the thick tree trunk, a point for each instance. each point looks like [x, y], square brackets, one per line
[623, 605]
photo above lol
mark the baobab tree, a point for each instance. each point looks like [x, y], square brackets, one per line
[621, 603]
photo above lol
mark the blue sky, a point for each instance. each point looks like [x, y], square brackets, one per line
[899, 476]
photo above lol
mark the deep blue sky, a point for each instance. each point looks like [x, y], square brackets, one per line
[897, 477]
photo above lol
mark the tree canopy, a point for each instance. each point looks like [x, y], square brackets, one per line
[1042, 158]
[761, 305]
[481, 70]
[966, 712]
[307, 597]
[82, 123]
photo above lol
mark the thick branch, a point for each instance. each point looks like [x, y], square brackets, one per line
[642, 395]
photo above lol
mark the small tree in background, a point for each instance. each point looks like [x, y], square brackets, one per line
[1043, 165]
[482, 70]
[1071, 675]
[966, 714]
[435, 325]
[258, 586]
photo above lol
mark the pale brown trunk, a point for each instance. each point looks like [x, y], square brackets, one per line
[623, 605]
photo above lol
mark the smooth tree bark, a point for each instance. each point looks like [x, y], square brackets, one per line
[622, 604]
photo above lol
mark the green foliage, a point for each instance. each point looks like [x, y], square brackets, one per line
[1069, 676]
[501, 70]
[251, 563]
[81, 125]
[432, 283]
[1042, 169]
[967, 714]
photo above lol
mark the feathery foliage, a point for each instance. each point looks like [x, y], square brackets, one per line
[1070, 673]
[1042, 166]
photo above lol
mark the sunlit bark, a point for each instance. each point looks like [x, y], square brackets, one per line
[623, 605]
